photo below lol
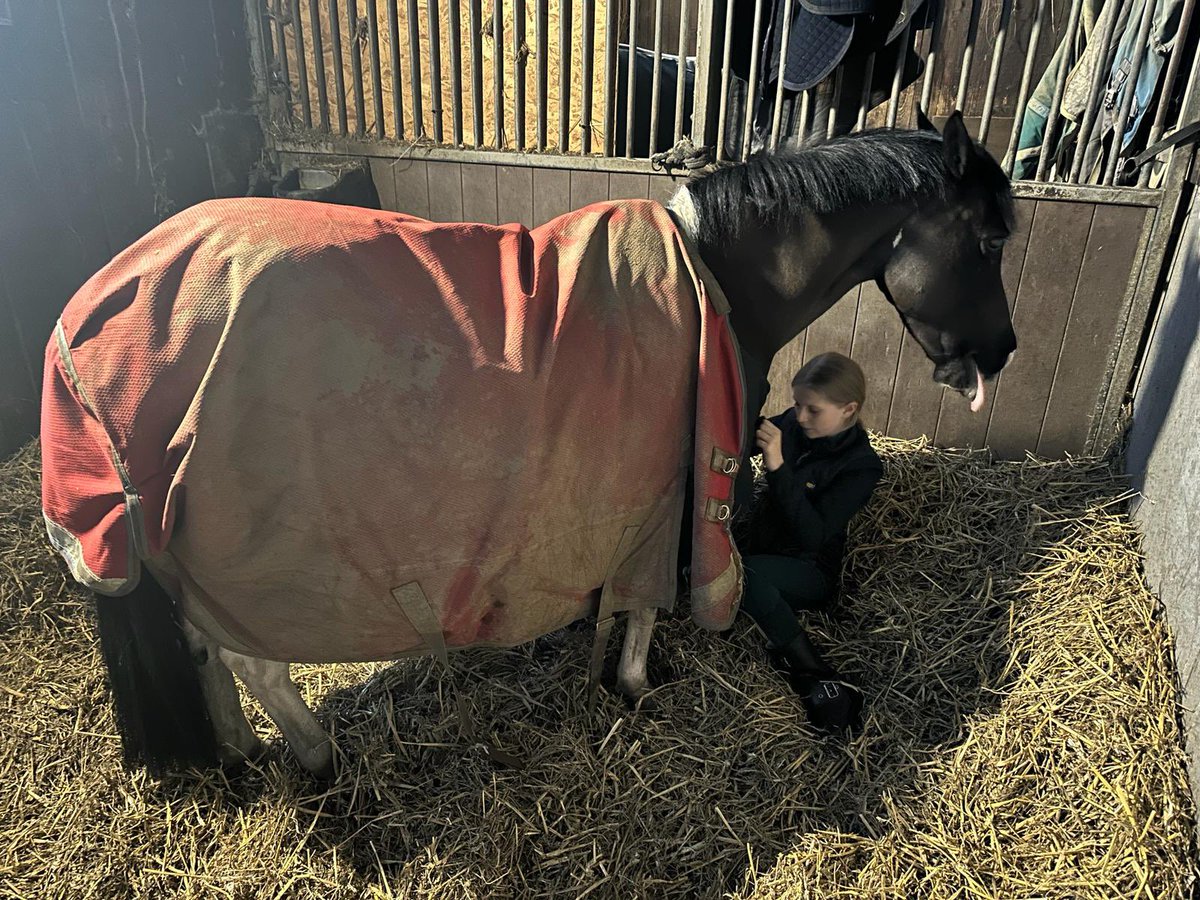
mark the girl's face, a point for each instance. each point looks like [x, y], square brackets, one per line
[819, 416]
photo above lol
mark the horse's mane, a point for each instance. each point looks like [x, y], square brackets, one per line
[876, 167]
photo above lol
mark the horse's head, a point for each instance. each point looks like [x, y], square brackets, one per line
[943, 274]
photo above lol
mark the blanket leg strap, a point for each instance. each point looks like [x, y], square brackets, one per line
[605, 614]
[420, 614]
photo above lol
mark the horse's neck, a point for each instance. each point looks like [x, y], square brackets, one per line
[779, 282]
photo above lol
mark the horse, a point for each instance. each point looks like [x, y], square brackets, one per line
[924, 214]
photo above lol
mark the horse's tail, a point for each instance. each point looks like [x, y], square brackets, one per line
[160, 709]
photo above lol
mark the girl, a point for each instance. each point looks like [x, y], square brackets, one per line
[820, 471]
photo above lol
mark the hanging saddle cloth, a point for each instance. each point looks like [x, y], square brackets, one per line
[344, 429]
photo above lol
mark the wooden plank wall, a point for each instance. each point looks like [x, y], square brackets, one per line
[101, 108]
[1066, 271]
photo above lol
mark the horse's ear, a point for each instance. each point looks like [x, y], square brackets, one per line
[923, 123]
[957, 145]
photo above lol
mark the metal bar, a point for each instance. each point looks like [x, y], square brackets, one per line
[989, 100]
[394, 56]
[865, 102]
[726, 55]
[564, 76]
[1160, 115]
[541, 75]
[318, 49]
[356, 73]
[611, 26]
[475, 13]
[897, 79]
[376, 72]
[835, 102]
[435, 68]
[751, 84]
[630, 78]
[519, 73]
[681, 76]
[1122, 119]
[656, 77]
[498, 71]
[284, 67]
[1023, 93]
[783, 45]
[1092, 110]
[456, 104]
[339, 74]
[414, 69]
[935, 37]
[301, 62]
[964, 74]
[587, 55]
[802, 125]
[1060, 84]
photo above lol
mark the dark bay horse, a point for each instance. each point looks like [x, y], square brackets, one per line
[924, 215]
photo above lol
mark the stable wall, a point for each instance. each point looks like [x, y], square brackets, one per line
[1163, 458]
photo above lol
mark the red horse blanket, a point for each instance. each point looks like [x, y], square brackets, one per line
[352, 434]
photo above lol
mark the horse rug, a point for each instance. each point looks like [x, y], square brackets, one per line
[350, 434]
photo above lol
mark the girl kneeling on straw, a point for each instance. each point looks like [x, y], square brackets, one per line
[820, 471]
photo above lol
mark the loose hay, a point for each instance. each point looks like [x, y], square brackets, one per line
[1021, 736]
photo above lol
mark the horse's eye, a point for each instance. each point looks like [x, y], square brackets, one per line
[991, 246]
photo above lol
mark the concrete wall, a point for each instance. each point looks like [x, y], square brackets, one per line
[1164, 459]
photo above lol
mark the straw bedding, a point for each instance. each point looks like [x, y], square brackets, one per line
[1021, 737]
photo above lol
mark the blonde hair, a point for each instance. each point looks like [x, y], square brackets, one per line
[836, 377]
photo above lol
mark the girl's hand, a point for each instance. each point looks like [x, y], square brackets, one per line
[770, 439]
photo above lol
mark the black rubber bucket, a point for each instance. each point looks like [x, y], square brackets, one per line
[349, 186]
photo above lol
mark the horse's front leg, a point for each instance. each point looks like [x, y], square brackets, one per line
[272, 685]
[631, 673]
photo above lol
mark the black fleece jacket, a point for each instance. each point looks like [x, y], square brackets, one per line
[811, 498]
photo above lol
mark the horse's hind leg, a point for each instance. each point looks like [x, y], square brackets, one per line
[236, 740]
[631, 673]
[271, 684]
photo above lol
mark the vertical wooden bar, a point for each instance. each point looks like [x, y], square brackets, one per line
[376, 73]
[705, 100]
[435, 68]
[542, 52]
[897, 79]
[1092, 110]
[835, 102]
[282, 55]
[1160, 115]
[964, 74]
[564, 75]
[685, 9]
[1023, 92]
[783, 45]
[751, 85]
[356, 73]
[456, 99]
[656, 79]
[726, 54]
[989, 100]
[1114, 156]
[414, 69]
[630, 78]
[498, 71]
[865, 103]
[1060, 84]
[476, 23]
[302, 62]
[318, 49]
[611, 23]
[339, 74]
[519, 73]
[587, 53]
[394, 55]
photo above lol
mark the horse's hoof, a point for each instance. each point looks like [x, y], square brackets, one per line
[834, 707]
[234, 760]
[644, 705]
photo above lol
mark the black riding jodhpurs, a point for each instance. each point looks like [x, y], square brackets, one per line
[777, 587]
